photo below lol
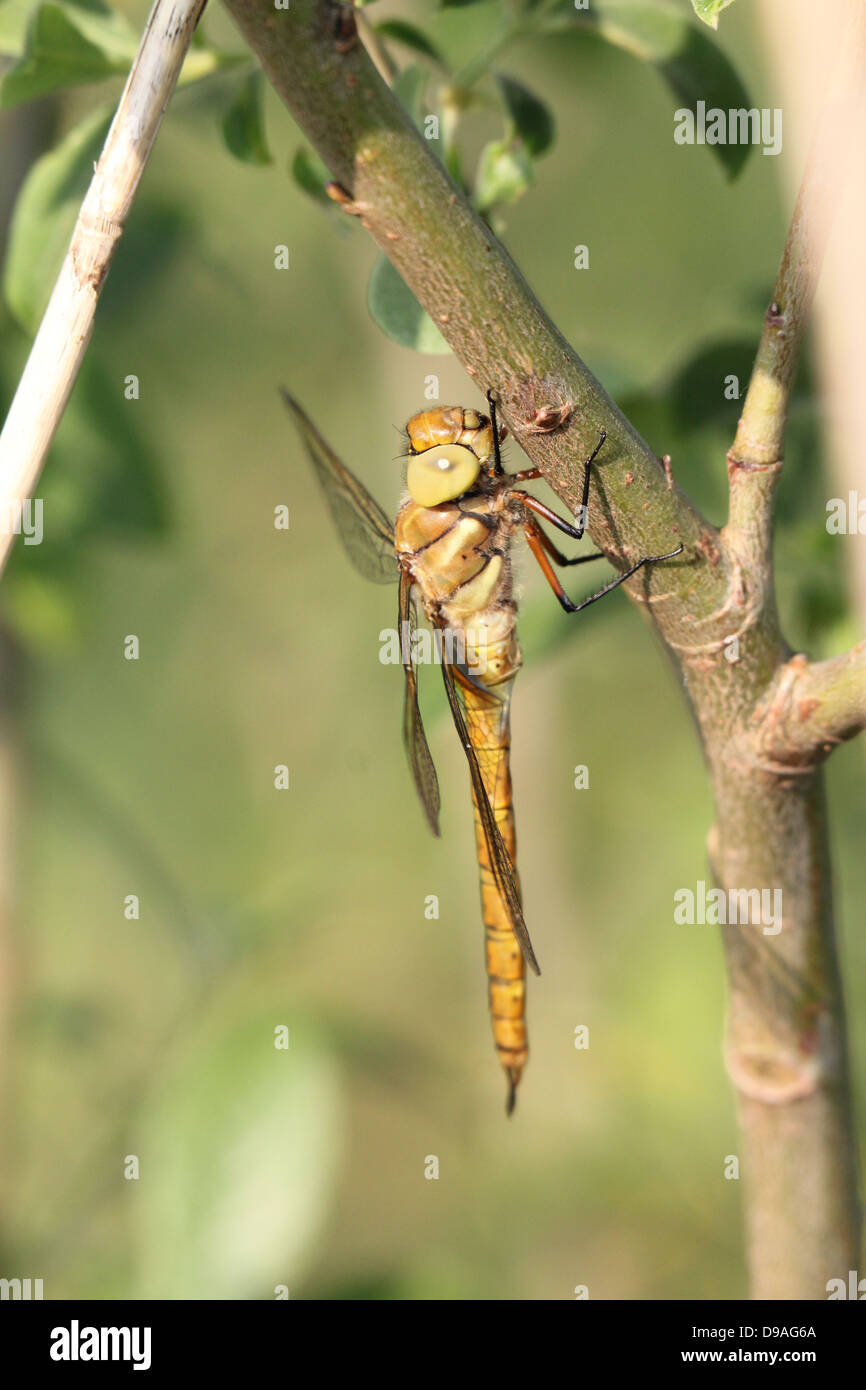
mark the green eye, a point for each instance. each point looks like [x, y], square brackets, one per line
[441, 474]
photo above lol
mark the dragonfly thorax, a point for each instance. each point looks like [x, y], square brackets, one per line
[458, 555]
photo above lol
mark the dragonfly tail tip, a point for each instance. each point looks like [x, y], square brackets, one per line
[511, 1099]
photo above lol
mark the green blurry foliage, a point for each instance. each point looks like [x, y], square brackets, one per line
[240, 1146]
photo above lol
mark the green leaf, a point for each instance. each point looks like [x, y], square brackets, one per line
[44, 217]
[239, 1144]
[105, 478]
[532, 120]
[411, 36]
[709, 10]
[69, 42]
[398, 313]
[243, 125]
[311, 175]
[504, 173]
[687, 57]
[201, 62]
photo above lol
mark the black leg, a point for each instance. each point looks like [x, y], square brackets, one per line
[576, 532]
[584, 501]
[615, 583]
[556, 554]
[541, 547]
[497, 454]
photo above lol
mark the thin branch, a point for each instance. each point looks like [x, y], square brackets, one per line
[813, 707]
[755, 458]
[60, 344]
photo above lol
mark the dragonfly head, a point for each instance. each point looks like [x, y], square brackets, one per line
[447, 449]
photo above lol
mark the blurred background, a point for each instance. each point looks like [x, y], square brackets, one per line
[152, 1037]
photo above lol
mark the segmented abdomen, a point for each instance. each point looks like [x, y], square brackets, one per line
[487, 718]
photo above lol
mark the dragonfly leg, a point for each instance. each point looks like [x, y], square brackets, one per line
[499, 433]
[533, 532]
[576, 532]
[555, 553]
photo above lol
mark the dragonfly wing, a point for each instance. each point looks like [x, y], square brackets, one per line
[414, 737]
[500, 860]
[363, 527]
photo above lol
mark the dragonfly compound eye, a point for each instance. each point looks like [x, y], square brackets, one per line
[442, 473]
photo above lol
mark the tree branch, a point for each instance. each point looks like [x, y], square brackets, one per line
[756, 454]
[483, 307]
[813, 707]
[59, 347]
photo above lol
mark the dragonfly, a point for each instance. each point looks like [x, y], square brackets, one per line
[450, 546]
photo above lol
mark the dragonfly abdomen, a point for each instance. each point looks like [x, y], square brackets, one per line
[458, 555]
[487, 719]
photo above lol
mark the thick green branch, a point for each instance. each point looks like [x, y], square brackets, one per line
[473, 291]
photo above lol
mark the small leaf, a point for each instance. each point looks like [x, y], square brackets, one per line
[532, 120]
[202, 61]
[44, 217]
[411, 36]
[311, 175]
[398, 313]
[687, 57]
[243, 125]
[504, 173]
[709, 10]
[239, 1144]
[69, 42]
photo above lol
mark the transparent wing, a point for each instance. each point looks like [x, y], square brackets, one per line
[500, 860]
[414, 737]
[363, 527]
